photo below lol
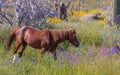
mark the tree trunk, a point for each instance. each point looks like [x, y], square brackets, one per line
[82, 3]
[78, 4]
[117, 11]
[98, 3]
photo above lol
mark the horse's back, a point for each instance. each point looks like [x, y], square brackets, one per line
[34, 37]
[16, 29]
[26, 30]
[22, 33]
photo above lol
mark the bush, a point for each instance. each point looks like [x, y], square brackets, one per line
[4, 33]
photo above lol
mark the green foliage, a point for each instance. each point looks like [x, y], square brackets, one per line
[47, 26]
[4, 33]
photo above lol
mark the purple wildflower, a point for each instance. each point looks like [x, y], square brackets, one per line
[115, 49]
[107, 51]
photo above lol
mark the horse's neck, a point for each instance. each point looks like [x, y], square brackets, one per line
[63, 36]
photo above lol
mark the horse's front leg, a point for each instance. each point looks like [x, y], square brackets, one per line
[42, 52]
[53, 51]
[55, 56]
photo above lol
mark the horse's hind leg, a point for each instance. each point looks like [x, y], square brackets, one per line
[24, 44]
[21, 52]
[15, 51]
[18, 44]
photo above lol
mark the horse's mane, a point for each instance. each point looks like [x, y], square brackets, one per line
[61, 34]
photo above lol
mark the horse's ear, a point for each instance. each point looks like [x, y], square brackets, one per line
[73, 31]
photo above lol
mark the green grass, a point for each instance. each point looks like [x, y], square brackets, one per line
[91, 36]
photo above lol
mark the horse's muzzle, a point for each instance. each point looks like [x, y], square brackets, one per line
[77, 44]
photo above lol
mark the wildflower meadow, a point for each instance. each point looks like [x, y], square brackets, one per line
[97, 54]
[88, 59]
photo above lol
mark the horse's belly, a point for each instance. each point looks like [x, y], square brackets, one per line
[34, 44]
[33, 41]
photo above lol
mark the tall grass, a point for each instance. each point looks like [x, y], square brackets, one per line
[88, 33]
[89, 61]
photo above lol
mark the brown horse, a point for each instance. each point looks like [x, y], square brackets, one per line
[46, 40]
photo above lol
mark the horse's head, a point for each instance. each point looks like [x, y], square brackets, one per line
[73, 38]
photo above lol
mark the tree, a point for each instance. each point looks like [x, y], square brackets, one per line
[32, 12]
[117, 11]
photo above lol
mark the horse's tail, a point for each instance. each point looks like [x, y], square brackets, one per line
[11, 39]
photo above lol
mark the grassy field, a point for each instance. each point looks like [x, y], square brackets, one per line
[84, 60]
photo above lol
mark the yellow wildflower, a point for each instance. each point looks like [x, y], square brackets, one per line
[54, 20]
[93, 11]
